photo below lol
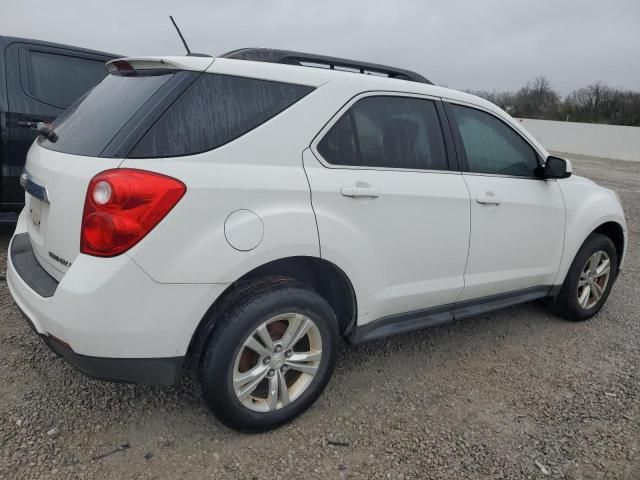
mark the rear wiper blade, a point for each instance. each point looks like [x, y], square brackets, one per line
[44, 129]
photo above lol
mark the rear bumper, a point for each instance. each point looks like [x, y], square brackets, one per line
[150, 371]
[107, 317]
[27, 267]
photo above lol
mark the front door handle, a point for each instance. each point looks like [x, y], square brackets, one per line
[360, 190]
[489, 198]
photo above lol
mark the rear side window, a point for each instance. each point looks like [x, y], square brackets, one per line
[387, 132]
[215, 110]
[490, 146]
[58, 80]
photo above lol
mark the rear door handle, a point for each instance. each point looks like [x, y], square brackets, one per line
[359, 190]
[489, 198]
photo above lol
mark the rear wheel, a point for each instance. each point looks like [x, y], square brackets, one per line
[270, 357]
[589, 279]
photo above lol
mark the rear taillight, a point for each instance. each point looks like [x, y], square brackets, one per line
[122, 206]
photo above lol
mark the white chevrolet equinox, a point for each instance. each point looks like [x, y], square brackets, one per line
[234, 217]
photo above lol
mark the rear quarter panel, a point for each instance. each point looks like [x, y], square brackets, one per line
[261, 172]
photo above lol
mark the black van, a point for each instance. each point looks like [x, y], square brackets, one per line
[38, 80]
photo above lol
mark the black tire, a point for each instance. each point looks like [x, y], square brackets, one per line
[263, 299]
[566, 303]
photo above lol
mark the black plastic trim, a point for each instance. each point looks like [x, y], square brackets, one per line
[288, 57]
[445, 128]
[402, 323]
[555, 290]
[470, 308]
[28, 268]
[150, 371]
[410, 321]
[448, 127]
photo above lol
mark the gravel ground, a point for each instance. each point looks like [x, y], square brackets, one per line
[515, 394]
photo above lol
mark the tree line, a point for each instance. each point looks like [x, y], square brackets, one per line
[597, 103]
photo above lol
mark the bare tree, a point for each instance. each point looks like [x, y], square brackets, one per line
[597, 103]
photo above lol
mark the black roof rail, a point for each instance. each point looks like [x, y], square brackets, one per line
[312, 60]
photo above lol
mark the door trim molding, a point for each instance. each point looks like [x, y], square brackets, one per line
[417, 319]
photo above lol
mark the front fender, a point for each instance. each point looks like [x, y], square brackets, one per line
[588, 206]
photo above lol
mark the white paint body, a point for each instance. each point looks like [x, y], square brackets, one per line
[268, 195]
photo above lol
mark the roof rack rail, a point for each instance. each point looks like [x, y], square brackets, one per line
[312, 60]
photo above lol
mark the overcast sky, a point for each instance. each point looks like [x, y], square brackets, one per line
[484, 44]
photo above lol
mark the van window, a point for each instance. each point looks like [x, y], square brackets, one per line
[490, 146]
[387, 132]
[144, 119]
[215, 110]
[58, 80]
[88, 126]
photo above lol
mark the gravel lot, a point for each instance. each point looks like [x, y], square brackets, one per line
[515, 394]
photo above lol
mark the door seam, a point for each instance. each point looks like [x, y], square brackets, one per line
[315, 216]
[466, 263]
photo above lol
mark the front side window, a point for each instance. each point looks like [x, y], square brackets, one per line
[491, 146]
[387, 132]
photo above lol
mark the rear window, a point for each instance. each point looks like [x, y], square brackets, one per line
[163, 116]
[88, 126]
[215, 110]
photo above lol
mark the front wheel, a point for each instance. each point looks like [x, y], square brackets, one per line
[589, 279]
[270, 357]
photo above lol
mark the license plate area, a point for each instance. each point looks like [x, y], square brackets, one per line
[35, 212]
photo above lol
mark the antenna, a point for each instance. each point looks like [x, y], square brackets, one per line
[184, 42]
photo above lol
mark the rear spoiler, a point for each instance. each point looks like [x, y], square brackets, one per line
[129, 66]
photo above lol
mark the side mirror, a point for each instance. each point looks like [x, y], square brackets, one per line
[556, 167]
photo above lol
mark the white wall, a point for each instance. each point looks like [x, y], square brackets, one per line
[607, 141]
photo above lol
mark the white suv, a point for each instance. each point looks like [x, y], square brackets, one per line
[235, 217]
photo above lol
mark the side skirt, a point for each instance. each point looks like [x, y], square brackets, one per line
[410, 321]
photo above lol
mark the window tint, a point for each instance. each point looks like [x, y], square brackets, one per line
[390, 132]
[89, 125]
[215, 110]
[339, 145]
[59, 80]
[491, 146]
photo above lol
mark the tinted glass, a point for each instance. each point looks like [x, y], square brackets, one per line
[89, 125]
[389, 132]
[491, 146]
[215, 110]
[339, 145]
[59, 80]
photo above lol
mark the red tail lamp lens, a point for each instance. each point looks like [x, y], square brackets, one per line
[122, 206]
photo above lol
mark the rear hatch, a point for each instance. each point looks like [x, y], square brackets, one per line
[94, 135]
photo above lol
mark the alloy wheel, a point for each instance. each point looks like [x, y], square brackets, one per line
[277, 362]
[594, 279]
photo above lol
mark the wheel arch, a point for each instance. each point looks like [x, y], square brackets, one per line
[612, 227]
[323, 276]
[615, 232]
